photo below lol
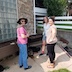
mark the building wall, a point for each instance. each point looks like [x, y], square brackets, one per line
[67, 35]
[25, 9]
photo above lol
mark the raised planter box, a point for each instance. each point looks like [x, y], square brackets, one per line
[9, 48]
[34, 39]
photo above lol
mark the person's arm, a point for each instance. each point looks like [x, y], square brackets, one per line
[23, 35]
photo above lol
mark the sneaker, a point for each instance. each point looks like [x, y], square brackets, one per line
[41, 54]
[28, 67]
[47, 54]
[21, 66]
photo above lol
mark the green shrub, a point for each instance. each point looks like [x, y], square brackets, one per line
[61, 70]
[55, 7]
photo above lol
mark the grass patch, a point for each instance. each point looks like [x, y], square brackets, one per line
[64, 29]
[57, 28]
[39, 27]
[61, 70]
[64, 24]
[59, 24]
[40, 23]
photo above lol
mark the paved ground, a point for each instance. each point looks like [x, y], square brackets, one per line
[39, 64]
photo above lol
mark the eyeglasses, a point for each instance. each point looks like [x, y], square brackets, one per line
[22, 21]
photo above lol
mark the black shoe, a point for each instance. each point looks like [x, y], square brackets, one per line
[21, 66]
[47, 54]
[41, 54]
[28, 67]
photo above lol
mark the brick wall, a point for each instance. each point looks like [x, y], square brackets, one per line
[25, 9]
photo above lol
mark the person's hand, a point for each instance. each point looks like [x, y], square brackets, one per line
[27, 35]
[50, 40]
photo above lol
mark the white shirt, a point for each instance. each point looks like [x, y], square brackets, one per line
[46, 27]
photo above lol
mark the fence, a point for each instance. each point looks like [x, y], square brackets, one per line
[62, 22]
[38, 12]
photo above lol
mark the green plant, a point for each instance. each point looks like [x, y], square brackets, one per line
[55, 7]
[61, 70]
[7, 67]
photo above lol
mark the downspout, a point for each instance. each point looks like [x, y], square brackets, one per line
[34, 18]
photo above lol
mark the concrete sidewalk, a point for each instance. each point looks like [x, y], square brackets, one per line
[62, 60]
[39, 64]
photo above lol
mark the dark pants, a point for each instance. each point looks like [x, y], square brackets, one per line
[51, 52]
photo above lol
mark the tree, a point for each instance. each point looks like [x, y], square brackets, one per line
[55, 7]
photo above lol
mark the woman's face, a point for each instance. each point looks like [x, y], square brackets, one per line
[51, 22]
[23, 22]
[45, 20]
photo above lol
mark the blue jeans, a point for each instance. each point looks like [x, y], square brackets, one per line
[23, 55]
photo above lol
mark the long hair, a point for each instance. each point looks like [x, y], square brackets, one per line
[46, 18]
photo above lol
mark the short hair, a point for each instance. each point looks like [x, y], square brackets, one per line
[19, 21]
[53, 18]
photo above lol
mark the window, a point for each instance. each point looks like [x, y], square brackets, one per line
[8, 18]
[39, 3]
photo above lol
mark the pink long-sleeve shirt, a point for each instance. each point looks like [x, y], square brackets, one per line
[20, 40]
